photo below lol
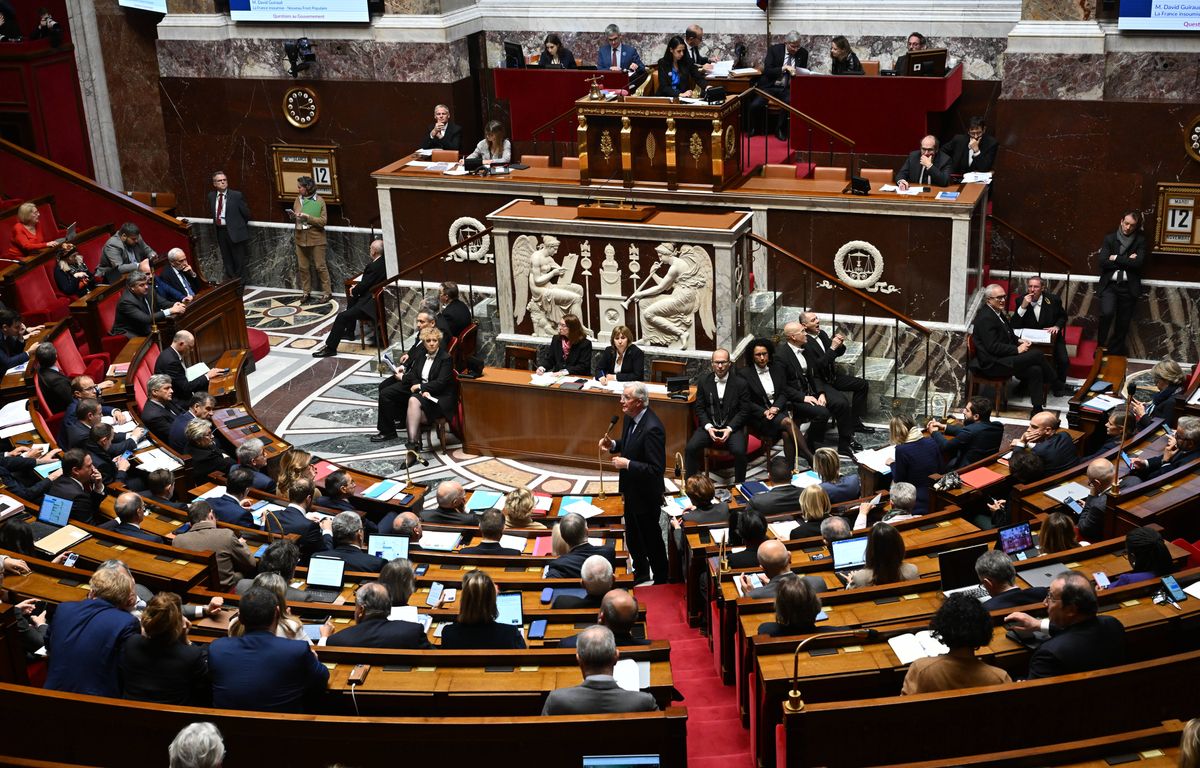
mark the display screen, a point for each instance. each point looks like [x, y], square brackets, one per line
[304, 11]
[1160, 15]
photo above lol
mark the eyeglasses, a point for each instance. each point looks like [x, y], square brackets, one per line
[928, 150]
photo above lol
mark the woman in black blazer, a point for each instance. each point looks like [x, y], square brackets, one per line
[554, 56]
[569, 351]
[796, 610]
[202, 447]
[160, 665]
[621, 360]
[429, 385]
[1169, 379]
[476, 628]
[676, 75]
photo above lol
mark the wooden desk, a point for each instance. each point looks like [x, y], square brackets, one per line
[504, 415]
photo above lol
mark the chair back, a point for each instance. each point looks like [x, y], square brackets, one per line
[660, 370]
[445, 156]
[570, 162]
[106, 307]
[52, 421]
[779, 171]
[468, 343]
[37, 297]
[48, 228]
[536, 161]
[522, 358]
[91, 250]
[70, 361]
[881, 175]
[870, 67]
[830, 173]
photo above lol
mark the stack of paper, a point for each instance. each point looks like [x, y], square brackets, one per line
[14, 418]
[977, 177]
[514, 542]
[877, 459]
[385, 490]
[196, 371]
[805, 479]
[782, 529]
[1072, 490]
[584, 508]
[156, 458]
[719, 535]
[1035, 335]
[440, 541]
[481, 500]
[632, 675]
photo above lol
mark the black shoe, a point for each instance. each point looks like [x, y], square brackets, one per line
[410, 460]
[1063, 391]
[855, 445]
[382, 437]
[325, 352]
[863, 428]
[782, 134]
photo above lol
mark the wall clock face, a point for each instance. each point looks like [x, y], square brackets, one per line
[1191, 138]
[300, 106]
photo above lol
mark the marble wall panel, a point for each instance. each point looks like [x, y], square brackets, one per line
[1151, 77]
[1058, 10]
[1063, 77]
[271, 257]
[192, 6]
[408, 7]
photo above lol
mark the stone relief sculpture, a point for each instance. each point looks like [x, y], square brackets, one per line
[684, 290]
[544, 288]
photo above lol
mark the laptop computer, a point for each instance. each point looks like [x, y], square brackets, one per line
[849, 555]
[389, 546]
[957, 571]
[1017, 541]
[55, 511]
[509, 606]
[1042, 575]
[325, 578]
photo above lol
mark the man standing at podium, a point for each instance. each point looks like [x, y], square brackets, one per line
[925, 166]
[643, 458]
[617, 56]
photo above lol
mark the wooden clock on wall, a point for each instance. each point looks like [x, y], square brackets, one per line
[301, 106]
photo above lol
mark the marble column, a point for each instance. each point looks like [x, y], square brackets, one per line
[93, 85]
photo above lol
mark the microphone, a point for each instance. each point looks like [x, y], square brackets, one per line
[592, 197]
[612, 423]
[600, 455]
[411, 454]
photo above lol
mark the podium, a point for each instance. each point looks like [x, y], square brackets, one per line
[656, 140]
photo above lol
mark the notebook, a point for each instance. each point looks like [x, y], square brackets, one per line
[61, 540]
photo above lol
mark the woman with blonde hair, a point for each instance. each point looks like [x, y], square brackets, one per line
[25, 238]
[295, 465]
[814, 507]
[622, 360]
[518, 509]
[1169, 379]
[828, 467]
[1189, 745]
[917, 457]
[289, 625]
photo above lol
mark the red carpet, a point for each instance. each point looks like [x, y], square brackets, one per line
[716, 738]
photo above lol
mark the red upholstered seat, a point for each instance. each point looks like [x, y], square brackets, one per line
[39, 302]
[260, 343]
[52, 422]
[48, 228]
[73, 363]
[90, 250]
[107, 309]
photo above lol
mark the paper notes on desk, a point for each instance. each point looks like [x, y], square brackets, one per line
[16, 412]
[1068, 490]
[877, 459]
[910, 647]
[675, 506]
[944, 195]
[977, 177]
[580, 505]
[385, 490]
[740, 71]
[1035, 335]
[423, 153]
[409, 613]
[481, 500]
[456, 170]
[542, 502]
[514, 542]
[196, 371]
[18, 368]
[782, 529]
[756, 580]
[1102, 403]
[632, 675]
[805, 479]
[544, 379]
[440, 541]
[719, 535]
[915, 190]
[46, 469]
[157, 458]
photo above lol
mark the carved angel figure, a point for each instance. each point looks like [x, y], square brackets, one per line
[684, 290]
[543, 288]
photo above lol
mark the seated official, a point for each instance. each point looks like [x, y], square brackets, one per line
[233, 507]
[617, 56]
[160, 489]
[518, 509]
[999, 353]
[491, 528]
[976, 438]
[171, 363]
[85, 639]
[569, 351]
[925, 166]
[361, 304]
[252, 454]
[443, 134]
[917, 457]
[83, 388]
[372, 629]
[573, 528]
[159, 665]
[1182, 448]
[596, 577]
[428, 391]
[259, 671]
[822, 352]
[289, 626]
[124, 254]
[54, 384]
[235, 561]
[493, 149]
[835, 528]
[701, 507]
[18, 474]
[782, 62]
[398, 578]
[962, 625]
[348, 544]
[843, 60]
[1093, 520]
[915, 42]
[621, 360]
[198, 745]
[677, 76]
[814, 508]
[810, 398]
[885, 560]
[339, 488]
[767, 411]
[131, 513]
[26, 240]
[973, 151]
[71, 275]
[294, 465]
[597, 653]
[1080, 640]
[781, 495]
[775, 560]
[178, 280]
[752, 529]
[405, 524]
[837, 487]
[160, 409]
[201, 406]
[455, 315]
[80, 483]
[619, 613]
[13, 336]
[281, 558]
[1169, 380]
[476, 627]
[1055, 447]
[207, 457]
[554, 55]
[721, 407]
[1045, 311]
[137, 310]
[99, 445]
[315, 531]
[451, 508]
[1057, 534]
[996, 574]
[796, 610]
[1148, 557]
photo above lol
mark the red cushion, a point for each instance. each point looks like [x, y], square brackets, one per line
[39, 303]
[260, 344]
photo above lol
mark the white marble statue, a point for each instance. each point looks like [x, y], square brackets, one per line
[544, 289]
[683, 291]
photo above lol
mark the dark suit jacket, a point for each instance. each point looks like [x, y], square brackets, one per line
[56, 389]
[821, 357]
[623, 641]
[774, 61]
[293, 521]
[1163, 408]
[802, 380]
[165, 673]
[457, 317]
[759, 401]
[262, 482]
[729, 411]
[481, 636]
[641, 483]
[129, 529]
[747, 558]
[1092, 518]
[1014, 597]
[845, 488]
[133, 314]
[575, 601]
[228, 510]
[599, 694]
[780, 498]
[1132, 260]
[689, 78]
[1156, 466]
[261, 672]
[444, 516]
[633, 367]
[170, 284]
[569, 565]
[356, 559]
[566, 60]
[451, 139]
[171, 364]
[489, 548]
[205, 461]
[578, 361]
[158, 418]
[971, 442]
[938, 175]
[959, 150]
[380, 633]
[1094, 643]
[83, 503]
[237, 214]
[361, 299]
[175, 436]
[695, 59]
[84, 642]
[12, 351]
[914, 463]
[995, 343]
[1057, 452]
[1053, 314]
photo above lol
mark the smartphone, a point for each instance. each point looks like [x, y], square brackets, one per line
[1101, 579]
[537, 629]
[358, 675]
[39, 607]
[127, 455]
[1167, 428]
[547, 595]
[435, 594]
[1172, 587]
[24, 442]
[421, 569]
[1125, 458]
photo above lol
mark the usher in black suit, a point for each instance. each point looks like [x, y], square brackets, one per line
[1048, 312]
[643, 441]
[720, 412]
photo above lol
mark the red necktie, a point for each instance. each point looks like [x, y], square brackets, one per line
[220, 207]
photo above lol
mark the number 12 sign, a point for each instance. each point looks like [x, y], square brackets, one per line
[1178, 206]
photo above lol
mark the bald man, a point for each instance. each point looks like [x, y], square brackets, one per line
[927, 165]
[1055, 448]
[451, 508]
[721, 406]
[172, 363]
[618, 612]
[776, 562]
[822, 353]
[1100, 475]
[360, 305]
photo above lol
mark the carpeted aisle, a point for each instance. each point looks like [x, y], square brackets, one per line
[716, 738]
